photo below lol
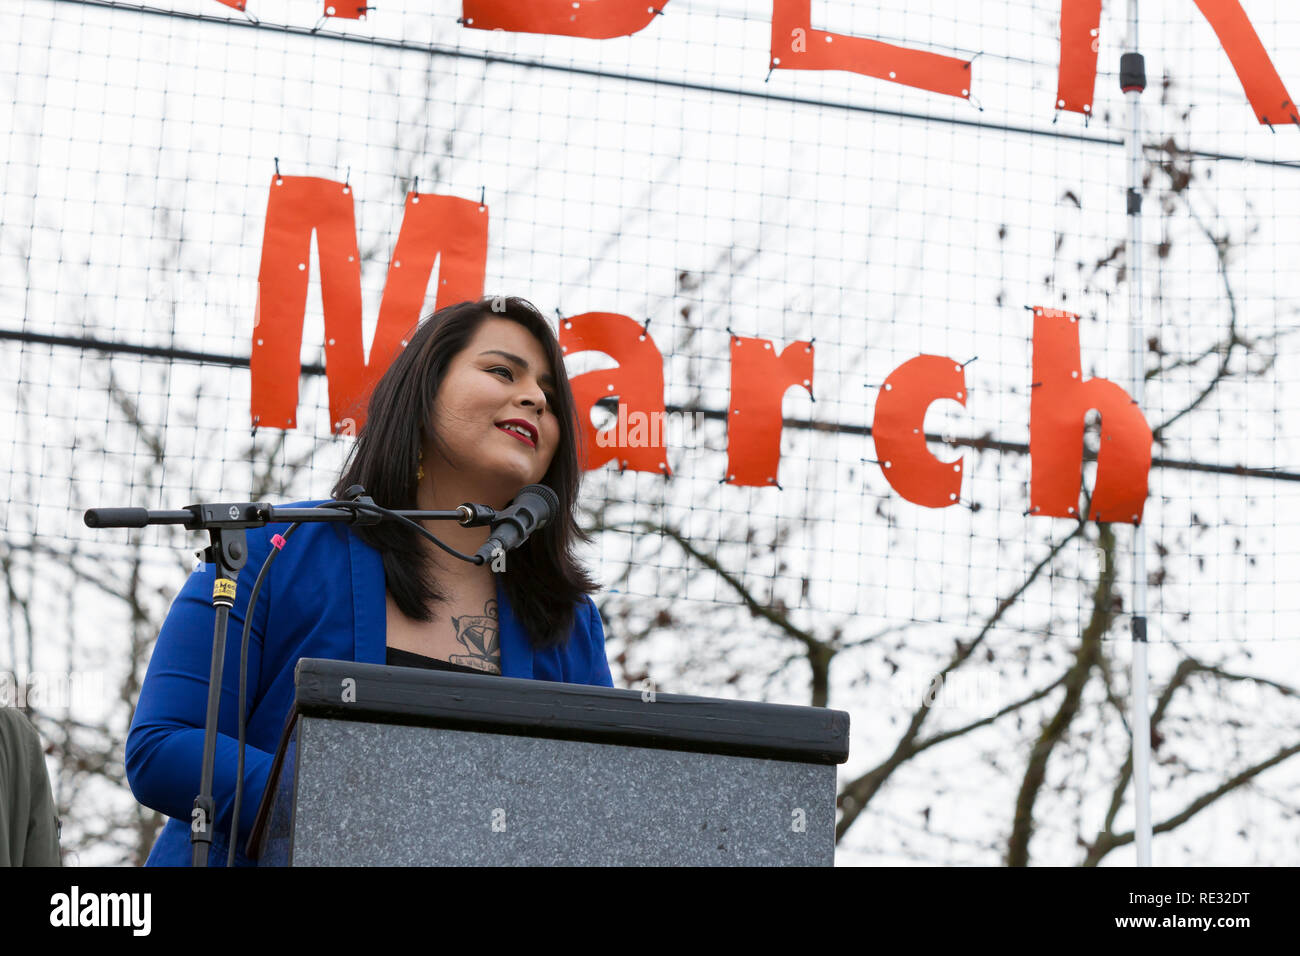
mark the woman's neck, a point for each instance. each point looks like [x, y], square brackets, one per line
[448, 497]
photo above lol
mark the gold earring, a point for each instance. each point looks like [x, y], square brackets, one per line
[419, 475]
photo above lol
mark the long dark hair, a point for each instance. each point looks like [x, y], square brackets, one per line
[543, 580]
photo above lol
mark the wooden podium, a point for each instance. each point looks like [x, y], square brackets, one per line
[382, 766]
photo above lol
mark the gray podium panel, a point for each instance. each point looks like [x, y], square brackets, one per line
[400, 766]
[384, 794]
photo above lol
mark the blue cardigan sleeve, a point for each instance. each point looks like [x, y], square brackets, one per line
[164, 747]
[600, 674]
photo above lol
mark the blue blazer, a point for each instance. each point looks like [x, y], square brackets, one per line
[323, 597]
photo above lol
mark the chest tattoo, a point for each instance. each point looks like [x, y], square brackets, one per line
[480, 635]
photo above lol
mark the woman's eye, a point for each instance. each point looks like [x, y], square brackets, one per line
[550, 399]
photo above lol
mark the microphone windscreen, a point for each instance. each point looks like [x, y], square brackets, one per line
[547, 509]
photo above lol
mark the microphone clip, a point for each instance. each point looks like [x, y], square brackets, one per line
[476, 515]
[362, 517]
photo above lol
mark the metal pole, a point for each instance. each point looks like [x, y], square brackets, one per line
[1133, 82]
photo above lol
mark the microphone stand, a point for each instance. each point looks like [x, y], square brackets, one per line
[226, 524]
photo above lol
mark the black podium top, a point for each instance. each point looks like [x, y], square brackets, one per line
[508, 705]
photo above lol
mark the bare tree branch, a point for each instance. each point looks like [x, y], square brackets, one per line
[1196, 806]
[855, 796]
[1086, 657]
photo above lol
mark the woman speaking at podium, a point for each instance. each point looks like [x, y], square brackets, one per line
[474, 408]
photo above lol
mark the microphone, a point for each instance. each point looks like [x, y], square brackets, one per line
[530, 511]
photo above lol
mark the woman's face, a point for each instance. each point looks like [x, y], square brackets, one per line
[502, 375]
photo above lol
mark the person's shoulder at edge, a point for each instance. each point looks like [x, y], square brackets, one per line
[32, 837]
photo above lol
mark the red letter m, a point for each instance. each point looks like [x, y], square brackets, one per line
[444, 228]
